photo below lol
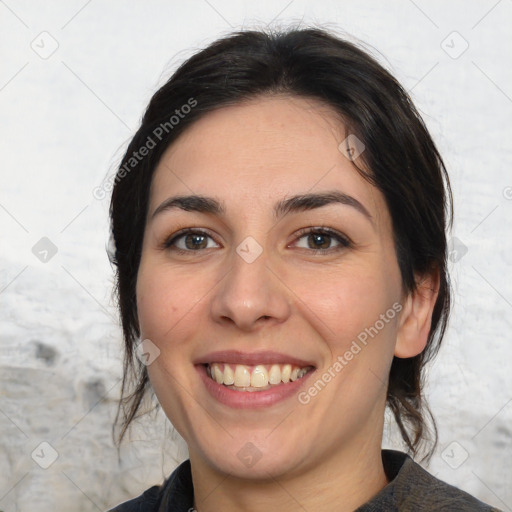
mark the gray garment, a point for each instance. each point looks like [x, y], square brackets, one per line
[411, 489]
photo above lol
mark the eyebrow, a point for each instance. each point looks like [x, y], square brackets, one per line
[298, 203]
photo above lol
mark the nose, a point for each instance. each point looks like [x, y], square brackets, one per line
[250, 295]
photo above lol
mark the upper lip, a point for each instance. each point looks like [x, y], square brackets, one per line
[251, 358]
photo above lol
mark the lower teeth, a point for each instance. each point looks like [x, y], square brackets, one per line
[250, 388]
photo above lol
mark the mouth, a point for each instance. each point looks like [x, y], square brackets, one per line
[245, 380]
[254, 378]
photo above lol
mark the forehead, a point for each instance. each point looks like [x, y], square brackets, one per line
[262, 150]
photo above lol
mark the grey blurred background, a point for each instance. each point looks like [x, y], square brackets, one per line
[75, 77]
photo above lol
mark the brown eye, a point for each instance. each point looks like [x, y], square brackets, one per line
[322, 240]
[319, 241]
[193, 241]
[190, 241]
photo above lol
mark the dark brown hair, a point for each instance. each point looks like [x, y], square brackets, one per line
[401, 157]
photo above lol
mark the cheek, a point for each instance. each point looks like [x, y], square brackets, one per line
[166, 303]
[343, 303]
[171, 303]
[160, 303]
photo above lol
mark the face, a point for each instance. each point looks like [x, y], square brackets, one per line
[274, 300]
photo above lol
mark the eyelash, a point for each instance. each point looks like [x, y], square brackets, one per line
[344, 241]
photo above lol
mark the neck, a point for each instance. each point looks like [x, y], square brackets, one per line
[341, 483]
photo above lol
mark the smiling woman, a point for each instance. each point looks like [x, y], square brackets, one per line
[281, 260]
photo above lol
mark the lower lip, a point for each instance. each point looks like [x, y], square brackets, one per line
[250, 399]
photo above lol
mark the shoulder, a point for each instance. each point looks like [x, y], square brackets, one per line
[177, 491]
[415, 489]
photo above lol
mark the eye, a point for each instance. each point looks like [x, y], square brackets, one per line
[316, 239]
[322, 240]
[189, 240]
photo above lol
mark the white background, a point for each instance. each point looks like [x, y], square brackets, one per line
[65, 119]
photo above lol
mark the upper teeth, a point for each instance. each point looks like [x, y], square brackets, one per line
[257, 376]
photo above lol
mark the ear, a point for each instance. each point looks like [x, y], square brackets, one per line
[416, 316]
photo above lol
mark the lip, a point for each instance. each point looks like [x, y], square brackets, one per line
[251, 358]
[250, 399]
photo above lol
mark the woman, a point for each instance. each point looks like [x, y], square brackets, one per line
[279, 222]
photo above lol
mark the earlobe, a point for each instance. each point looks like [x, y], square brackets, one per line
[416, 316]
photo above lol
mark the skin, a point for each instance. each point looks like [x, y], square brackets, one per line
[325, 455]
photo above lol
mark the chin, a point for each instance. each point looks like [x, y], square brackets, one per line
[254, 464]
[249, 456]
